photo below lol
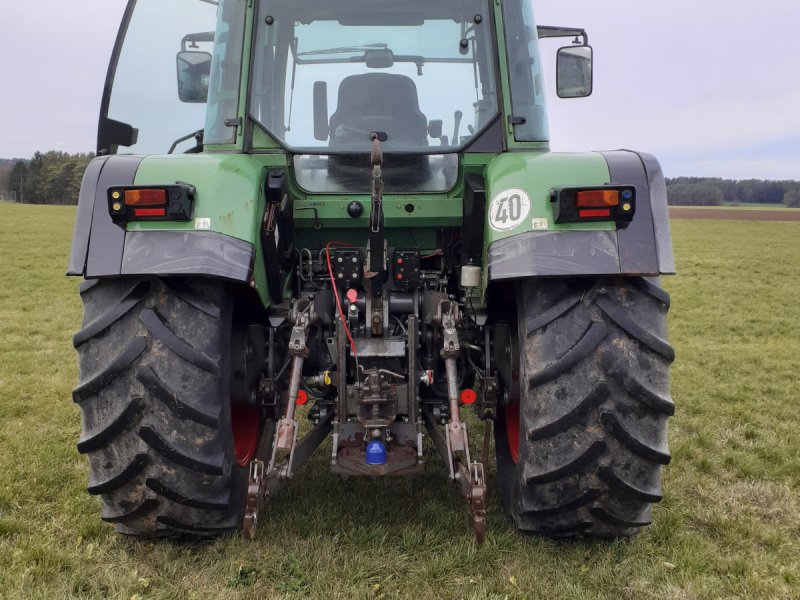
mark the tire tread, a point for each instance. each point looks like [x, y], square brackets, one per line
[586, 345]
[95, 440]
[181, 408]
[117, 366]
[159, 330]
[620, 316]
[153, 439]
[131, 470]
[112, 315]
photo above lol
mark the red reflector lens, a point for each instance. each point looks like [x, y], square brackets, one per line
[150, 212]
[593, 214]
[596, 198]
[302, 398]
[145, 197]
[468, 396]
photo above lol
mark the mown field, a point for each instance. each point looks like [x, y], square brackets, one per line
[729, 526]
[735, 213]
[757, 205]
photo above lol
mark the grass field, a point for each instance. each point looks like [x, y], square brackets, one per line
[747, 206]
[759, 205]
[729, 526]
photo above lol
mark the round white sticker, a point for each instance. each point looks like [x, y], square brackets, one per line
[509, 209]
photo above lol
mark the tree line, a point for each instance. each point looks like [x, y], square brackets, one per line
[714, 191]
[55, 178]
[47, 178]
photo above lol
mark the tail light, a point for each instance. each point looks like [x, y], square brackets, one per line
[600, 203]
[151, 203]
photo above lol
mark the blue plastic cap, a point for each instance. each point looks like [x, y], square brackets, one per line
[376, 453]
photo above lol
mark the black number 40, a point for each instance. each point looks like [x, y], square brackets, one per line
[513, 211]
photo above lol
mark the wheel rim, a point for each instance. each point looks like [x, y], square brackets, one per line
[246, 425]
[512, 430]
[514, 393]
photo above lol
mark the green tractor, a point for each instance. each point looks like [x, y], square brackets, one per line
[343, 219]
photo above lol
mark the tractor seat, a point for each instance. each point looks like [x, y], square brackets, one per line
[378, 102]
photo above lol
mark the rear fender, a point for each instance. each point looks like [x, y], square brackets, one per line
[533, 245]
[220, 241]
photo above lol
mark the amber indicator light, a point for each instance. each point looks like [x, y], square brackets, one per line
[144, 197]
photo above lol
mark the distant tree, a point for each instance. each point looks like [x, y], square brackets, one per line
[74, 185]
[56, 170]
[694, 194]
[5, 171]
[31, 188]
[753, 191]
[49, 178]
[17, 177]
[792, 197]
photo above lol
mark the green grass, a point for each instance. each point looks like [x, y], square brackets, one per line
[759, 205]
[744, 206]
[729, 526]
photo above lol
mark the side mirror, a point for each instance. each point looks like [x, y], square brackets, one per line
[574, 72]
[321, 124]
[194, 74]
[435, 129]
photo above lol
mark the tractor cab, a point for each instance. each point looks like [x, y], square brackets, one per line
[318, 78]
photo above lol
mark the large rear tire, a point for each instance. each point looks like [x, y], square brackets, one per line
[581, 444]
[154, 395]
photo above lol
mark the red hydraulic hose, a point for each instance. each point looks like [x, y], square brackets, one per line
[336, 293]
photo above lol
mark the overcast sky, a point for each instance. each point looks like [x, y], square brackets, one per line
[711, 87]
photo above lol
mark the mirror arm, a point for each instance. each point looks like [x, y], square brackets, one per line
[547, 31]
[197, 135]
[193, 38]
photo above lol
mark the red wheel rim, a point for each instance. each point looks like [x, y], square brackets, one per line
[246, 425]
[512, 430]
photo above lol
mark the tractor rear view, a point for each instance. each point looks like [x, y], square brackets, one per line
[347, 213]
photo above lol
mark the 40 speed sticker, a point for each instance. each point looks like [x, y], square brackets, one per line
[509, 209]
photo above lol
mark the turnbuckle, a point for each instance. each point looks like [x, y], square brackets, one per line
[286, 432]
